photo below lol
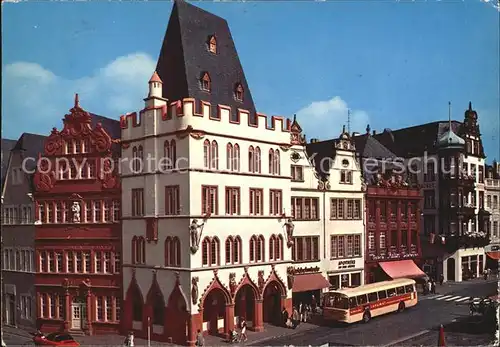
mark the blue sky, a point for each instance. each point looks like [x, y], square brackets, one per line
[394, 64]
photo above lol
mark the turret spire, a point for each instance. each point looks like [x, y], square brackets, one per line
[77, 100]
[449, 115]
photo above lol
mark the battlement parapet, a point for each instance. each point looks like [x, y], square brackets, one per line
[198, 114]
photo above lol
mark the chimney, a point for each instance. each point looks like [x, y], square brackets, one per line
[314, 140]
[374, 132]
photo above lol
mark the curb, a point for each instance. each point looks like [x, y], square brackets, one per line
[406, 338]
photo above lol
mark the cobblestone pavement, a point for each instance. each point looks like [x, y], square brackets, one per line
[452, 339]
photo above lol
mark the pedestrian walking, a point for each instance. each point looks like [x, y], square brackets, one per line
[129, 340]
[200, 340]
[313, 302]
[301, 312]
[472, 309]
[284, 317]
[441, 279]
[429, 286]
[295, 318]
[433, 287]
[243, 334]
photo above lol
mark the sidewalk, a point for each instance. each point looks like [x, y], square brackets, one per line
[450, 287]
[452, 339]
[270, 332]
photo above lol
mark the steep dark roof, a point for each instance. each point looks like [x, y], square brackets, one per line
[32, 145]
[112, 126]
[7, 146]
[369, 147]
[320, 152]
[416, 139]
[184, 57]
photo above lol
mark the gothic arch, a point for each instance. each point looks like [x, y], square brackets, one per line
[273, 277]
[154, 289]
[215, 284]
[246, 280]
[134, 287]
[176, 293]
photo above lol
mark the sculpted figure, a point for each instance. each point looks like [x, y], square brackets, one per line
[76, 212]
[195, 231]
[289, 228]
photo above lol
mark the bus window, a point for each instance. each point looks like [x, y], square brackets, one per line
[382, 294]
[409, 288]
[340, 301]
[362, 299]
[372, 297]
[400, 290]
[391, 292]
[352, 302]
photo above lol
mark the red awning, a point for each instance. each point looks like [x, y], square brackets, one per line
[494, 255]
[402, 269]
[306, 282]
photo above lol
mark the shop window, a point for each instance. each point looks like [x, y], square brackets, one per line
[355, 279]
[334, 281]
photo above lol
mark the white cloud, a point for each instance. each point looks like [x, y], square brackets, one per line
[37, 95]
[325, 119]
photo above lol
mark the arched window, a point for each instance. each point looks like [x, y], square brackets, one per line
[169, 154]
[277, 166]
[134, 250]
[229, 156]
[205, 82]
[253, 247]
[206, 154]
[238, 92]
[158, 310]
[137, 305]
[172, 251]
[134, 158]
[173, 153]
[214, 155]
[279, 248]
[257, 160]
[271, 161]
[237, 250]
[140, 162]
[214, 251]
[141, 250]
[251, 159]
[212, 45]
[229, 250]
[205, 249]
[236, 156]
[261, 244]
[272, 247]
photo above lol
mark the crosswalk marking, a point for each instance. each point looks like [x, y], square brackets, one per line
[462, 299]
[444, 297]
[453, 298]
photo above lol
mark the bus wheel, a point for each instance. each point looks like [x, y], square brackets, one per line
[366, 317]
[401, 307]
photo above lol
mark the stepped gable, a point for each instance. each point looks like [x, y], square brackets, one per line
[185, 57]
[7, 146]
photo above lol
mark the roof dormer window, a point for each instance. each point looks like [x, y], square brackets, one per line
[205, 82]
[212, 44]
[238, 92]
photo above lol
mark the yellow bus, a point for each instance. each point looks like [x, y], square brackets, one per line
[365, 302]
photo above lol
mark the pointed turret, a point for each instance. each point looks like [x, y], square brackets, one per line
[155, 86]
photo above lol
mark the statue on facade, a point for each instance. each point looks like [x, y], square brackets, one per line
[195, 231]
[289, 228]
[76, 212]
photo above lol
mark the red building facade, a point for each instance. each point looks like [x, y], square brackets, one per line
[392, 230]
[78, 229]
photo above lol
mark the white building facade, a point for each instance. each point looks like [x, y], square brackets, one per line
[204, 229]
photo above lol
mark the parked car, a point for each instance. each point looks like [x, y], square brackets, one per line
[55, 339]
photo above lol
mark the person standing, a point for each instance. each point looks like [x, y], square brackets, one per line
[243, 335]
[433, 287]
[200, 340]
[429, 286]
[284, 317]
[129, 340]
[301, 312]
[295, 318]
[441, 279]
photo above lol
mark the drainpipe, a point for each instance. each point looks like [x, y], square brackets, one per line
[324, 224]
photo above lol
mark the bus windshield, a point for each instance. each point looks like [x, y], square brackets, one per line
[337, 300]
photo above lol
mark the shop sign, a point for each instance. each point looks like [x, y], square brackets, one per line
[343, 264]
